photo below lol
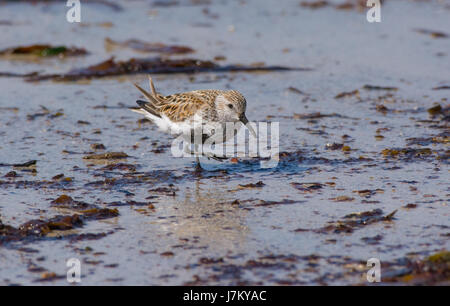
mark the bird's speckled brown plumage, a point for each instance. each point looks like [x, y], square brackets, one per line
[182, 106]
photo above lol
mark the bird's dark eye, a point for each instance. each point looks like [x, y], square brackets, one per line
[230, 106]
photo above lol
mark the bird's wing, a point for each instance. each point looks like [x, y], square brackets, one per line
[178, 107]
[207, 96]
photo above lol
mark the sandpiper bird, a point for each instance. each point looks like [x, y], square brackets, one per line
[184, 113]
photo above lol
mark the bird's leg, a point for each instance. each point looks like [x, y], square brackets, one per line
[198, 166]
[209, 155]
[188, 150]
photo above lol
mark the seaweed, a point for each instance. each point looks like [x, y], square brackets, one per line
[441, 87]
[360, 5]
[34, 229]
[342, 199]
[40, 228]
[433, 34]
[307, 187]
[112, 5]
[297, 91]
[314, 4]
[120, 167]
[367, 193]
[109, 155]
[273, 203]
[259, 184]
[347, 94]
[373, 87]
[26, 164]
[440, 111]
[155, 65]
[88, 211]
[318, 115]
[432, 270]
[407, 153]
[42, 51]
[143, 46]
[45, 112]
[334, 146]
[354, 221]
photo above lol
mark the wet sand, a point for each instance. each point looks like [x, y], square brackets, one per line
[387, 148]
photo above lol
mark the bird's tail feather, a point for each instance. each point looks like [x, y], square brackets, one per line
[152, 106]
[148, 107]
[149, 97]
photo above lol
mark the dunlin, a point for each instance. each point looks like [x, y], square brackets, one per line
[184, 113]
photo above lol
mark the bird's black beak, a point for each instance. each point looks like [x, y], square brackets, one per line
[244, 120]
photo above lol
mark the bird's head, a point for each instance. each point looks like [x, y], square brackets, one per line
[231, 106]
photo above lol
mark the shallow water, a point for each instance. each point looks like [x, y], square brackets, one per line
[198, 236]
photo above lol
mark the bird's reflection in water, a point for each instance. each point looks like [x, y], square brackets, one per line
[205, 213]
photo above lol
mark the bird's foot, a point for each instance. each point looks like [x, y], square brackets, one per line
[215, 157]
[198, 168]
